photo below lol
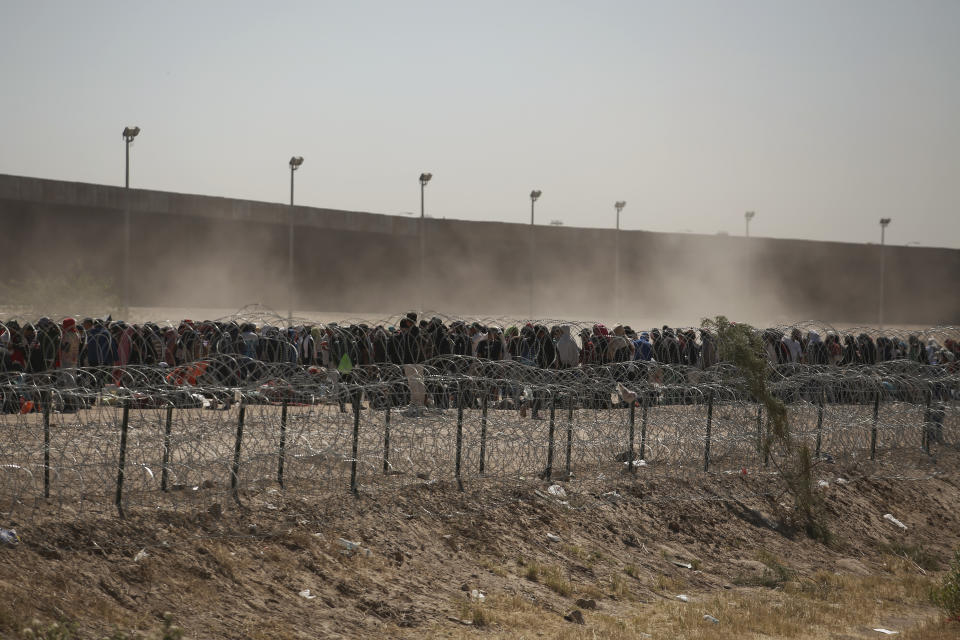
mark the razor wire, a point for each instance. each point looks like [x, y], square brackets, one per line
[218, 427]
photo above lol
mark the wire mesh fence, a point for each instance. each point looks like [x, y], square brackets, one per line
[227, 428]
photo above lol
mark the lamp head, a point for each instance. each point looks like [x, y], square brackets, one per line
[884, 221]
[535, 194]
[749, 215]
[129, 133]
[620, 204]
[295, 162]
[425, 178]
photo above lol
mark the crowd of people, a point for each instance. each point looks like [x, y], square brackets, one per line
[48, 346]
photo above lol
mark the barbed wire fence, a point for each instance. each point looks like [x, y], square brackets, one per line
[227, 430]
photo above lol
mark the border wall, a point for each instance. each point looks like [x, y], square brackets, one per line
[190, 250]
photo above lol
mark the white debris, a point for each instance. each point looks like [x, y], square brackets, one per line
[889, 516]
[613, 496]
[710, 618]
[842, 481]
[552, 537]
[9, 537]
[477, 595]
[685, 565]
[349, 546]
[886, 632]
[683, 598]
[823, 484]
[140, 555]
[557, 490]
[306, 594]
[639, 462]
[625, 394]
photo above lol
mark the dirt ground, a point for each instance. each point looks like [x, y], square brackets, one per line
[504, 560]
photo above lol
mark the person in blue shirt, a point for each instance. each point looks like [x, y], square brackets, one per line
[643, 350]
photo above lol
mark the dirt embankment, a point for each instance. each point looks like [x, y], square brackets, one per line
[243, 573]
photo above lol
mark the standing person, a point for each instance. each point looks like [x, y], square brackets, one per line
[16, 359]
[69, 345]
[588, 352]
[544, 355]
[491, 347]
[834, 348]
[851, 354]
[601, 341]
[916, 351]
[691, 350]
[619, 348]
[794, 347]
[101, 349]
[868, 350]
[642, 348]
[48, 337]
[568, 353]
[32, 351]
[709, 356]
[817, 352]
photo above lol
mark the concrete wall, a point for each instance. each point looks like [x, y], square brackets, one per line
[217, 252]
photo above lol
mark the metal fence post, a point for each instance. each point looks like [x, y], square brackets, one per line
[235, 471]
[819, 423]
[548, 472]
[633, 417]
[167, 428]
[643, 429]
[706, 448]
[386, 439]
[873, 430]
[459, 434]
[122, 458]
[483, 429]
[569, 432]
[356, 397]
[283, 443]
[47, 398]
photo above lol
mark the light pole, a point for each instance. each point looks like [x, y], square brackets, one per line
[424, 179]
[748, 216]
[129, 133]
[883, 228]
[618, 205]
[295, 163]
[534, 196]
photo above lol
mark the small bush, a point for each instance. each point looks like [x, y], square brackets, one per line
[774, 576]
[480, 616]
[914, 553]
[533, 571]
[553, 579]
[947, 594]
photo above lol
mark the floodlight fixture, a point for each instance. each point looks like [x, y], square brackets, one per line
[747, 217]
[425, 178]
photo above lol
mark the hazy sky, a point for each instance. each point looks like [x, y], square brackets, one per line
[823, 116]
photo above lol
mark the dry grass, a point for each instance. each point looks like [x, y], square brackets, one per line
[818, 607]
[552, 576]
[669, 585]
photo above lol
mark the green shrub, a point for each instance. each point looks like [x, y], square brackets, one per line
[947, 594]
